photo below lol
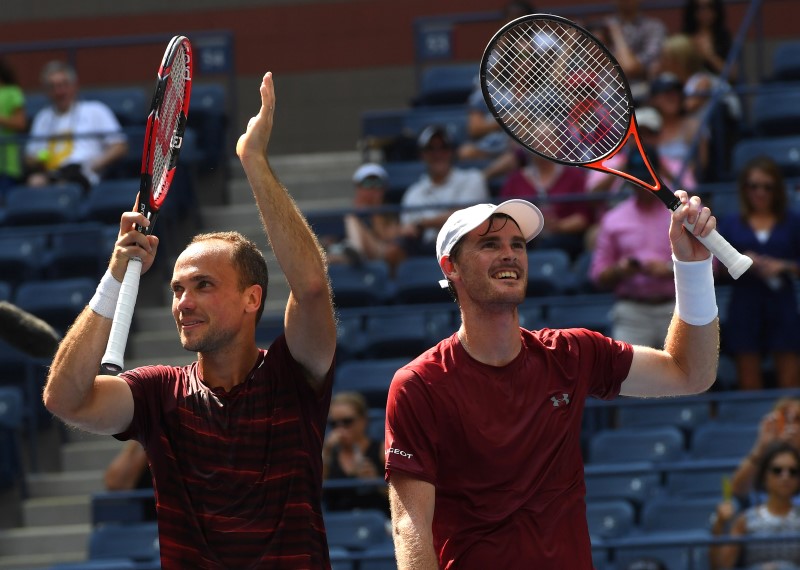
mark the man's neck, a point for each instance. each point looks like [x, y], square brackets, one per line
[491, 337]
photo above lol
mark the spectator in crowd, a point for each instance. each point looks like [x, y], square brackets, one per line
[428, 202]
[704, 21]
[128, 470]
[762, 317]
[350, 453]
[485, 138]
[13, 121]
[234, 439]
[778, 476]
[71, 140]
[633, 258]
[369, 232]
[678, 130]
[781, 424]
[483, 429]
[554, 187]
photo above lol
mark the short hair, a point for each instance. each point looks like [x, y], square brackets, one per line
[57, 66]
[247, 258]
[352, 398]
[774, 449]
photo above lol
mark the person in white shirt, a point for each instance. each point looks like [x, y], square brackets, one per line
[444, 187]
[71, 140]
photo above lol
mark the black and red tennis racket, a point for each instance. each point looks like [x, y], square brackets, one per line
[560, 93]
[163, 138]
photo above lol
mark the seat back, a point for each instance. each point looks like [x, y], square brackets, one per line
[135, 541]
[664, 443]
[369, 377]
[356, 530]
[55, 204]
[714, 439]
[610, 518]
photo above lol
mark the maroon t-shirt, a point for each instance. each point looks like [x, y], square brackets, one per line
[502, 446]
[237, 475]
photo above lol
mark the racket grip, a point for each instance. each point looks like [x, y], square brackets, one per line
[736, 262]
[113, 359]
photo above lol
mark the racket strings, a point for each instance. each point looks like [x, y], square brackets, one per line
[169, 115]
[557, 91]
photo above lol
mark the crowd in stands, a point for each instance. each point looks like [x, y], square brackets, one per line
[676, 75]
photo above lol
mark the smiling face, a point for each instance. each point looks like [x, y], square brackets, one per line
[491, 263]
[210, 307]
[782, 477]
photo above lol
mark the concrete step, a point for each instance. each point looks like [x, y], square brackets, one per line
[39, 561]
[48, 511]
[89, 455]
[45, 540]
[56, 484]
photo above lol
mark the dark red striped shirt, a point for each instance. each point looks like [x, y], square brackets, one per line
[238, 475]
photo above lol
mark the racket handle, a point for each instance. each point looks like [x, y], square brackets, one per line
[113, 359]
[736, 262]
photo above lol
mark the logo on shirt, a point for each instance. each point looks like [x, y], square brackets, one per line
[562, 401]
[399, 452]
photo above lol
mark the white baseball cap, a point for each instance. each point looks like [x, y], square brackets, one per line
[527, 216]
[370, 169]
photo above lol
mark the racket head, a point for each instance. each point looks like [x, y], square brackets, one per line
[166, 124]
[557, 90]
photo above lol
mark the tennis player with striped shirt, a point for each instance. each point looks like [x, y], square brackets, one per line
[234, 440]
[483, 431]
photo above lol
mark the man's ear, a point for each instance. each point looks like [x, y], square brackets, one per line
[254, 293]
[448, 267]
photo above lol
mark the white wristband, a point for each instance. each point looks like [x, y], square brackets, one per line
[695, 297]
[104, 300]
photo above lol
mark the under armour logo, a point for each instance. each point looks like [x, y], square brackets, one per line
[562, 401]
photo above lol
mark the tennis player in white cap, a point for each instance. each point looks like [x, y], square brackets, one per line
[483, 430]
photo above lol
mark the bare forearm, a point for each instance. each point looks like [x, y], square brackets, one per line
[695, 350]
[413, 550]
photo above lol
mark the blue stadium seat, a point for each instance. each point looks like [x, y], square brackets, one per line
[396, 335]
[380, 557]
[784, 150]
[417, 281]
[635, 486]
[55, 204]
[747, 408]
[591, 311]
[383, 123]
[670, 513]
[581, 281]
[452, 117]
[776, 110]
[633, 445]
[108, 199]
[401, 176]
[76, 250]
[786, 61]
[5, 291]
[359, 285]
[715, 440]
[701, 482]
[57, 301]
[369, 377]
[349, 335]
[678, 412]
[208, 117]
[446, 84]
[129, 104]
[612, 518]
[341, 558]
[376, 423]
[356, 530]
[122, 507]
[35, 102]
[12, 467]
[135, 541]
[103, 564]
[21, 256]
[549, 272]
[673, 557]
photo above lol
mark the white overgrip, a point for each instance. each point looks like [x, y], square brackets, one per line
[736, 262]
[114, 357]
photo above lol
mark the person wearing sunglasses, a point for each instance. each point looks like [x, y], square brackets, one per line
[779, 478]
[350, 453]
[762, 317]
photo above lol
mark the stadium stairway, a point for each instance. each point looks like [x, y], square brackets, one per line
[53, 524]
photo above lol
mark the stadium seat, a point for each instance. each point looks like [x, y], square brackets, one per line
[446, 84]
[612, 518]
[784, 150]
[76, 250]
[359, 285]
[549, 272]
[634, 486]
[396, 335]
[636, 444]
[417, 281]
[581, 281]
[369, 377]
[341, 558]
[678, 412]
[670, 513]
[452, 117]
[716, 440]
[5, 291]
[748, 408]
[786, 61]
[57, 301]
[135, 541]
[122, 507]
[382, 124]
[108, 199]
[672, 557]
[401, 176]
[55, 204]
[21, 256]
[585, 311]
[208, 117]
[35, 102]
[379, 557]
[356, 530]
[700, 482]
[12, 467]
[104, 564]
[776, 110]
[129, 104]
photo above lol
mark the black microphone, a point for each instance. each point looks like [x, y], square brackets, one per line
[27, 332]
